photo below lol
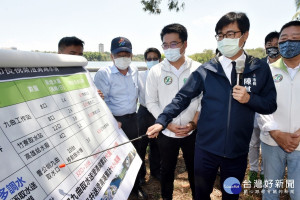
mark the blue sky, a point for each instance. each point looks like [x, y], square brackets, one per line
[40, 24]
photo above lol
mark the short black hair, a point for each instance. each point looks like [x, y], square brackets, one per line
[175, 28]
[69, 41]
[271, 36]
[231, 17]
[291, 23]
[152, 49]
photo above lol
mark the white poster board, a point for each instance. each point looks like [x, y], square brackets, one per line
[50, 113]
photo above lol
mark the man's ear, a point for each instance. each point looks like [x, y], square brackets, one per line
[185, 44]
[246, 34]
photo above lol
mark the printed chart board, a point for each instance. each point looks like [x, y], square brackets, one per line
[53, 115]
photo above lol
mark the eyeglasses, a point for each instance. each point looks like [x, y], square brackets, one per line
[150, 59]
[229, 34]
[172, 45]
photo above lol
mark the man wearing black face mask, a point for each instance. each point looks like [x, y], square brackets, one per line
[271, 46]
[280, 131]
[272, 51]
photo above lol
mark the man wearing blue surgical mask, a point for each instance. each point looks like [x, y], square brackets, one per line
[228, 107]
[145, 119]
[119, 86]
[152, 57]
[164, 81]
[280, 131]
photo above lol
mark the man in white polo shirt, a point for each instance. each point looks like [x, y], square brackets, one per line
[280, 131]
[164, 81]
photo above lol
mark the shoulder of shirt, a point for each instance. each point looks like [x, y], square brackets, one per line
[157, 67]
[134, 71]
[155, 71]
[106, 69]
[103, 72]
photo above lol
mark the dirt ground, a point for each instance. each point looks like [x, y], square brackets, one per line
[182, 190]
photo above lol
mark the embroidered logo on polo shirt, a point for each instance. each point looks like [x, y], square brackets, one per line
[184, 80]
[277, 78]
[168, 80]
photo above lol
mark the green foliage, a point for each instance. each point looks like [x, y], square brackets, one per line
[44, 51]
[96, 56]
[258, 52]
[138, 57]
[203, 57]
[297, 14]
[208, 54]
[297, 2]
[152, 6]
[174, 5]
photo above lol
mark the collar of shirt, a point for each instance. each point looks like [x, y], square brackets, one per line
[292, 71]
[176, 71]
[227, 65]
[166, 65]
[115, 70]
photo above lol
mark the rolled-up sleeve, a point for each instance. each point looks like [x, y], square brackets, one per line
[267, 123]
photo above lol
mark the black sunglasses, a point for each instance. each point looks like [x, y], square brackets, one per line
[154, 59]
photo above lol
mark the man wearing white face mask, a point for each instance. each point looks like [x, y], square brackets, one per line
[226, 120]
[164, 81]
[119, 86]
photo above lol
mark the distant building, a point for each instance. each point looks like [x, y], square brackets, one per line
[101, 48]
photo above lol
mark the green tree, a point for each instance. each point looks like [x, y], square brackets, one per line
[203, 57]
[208, 54]
[297, 14]
[138, 57]
[258, 52]
[96, 56]
[153, 6]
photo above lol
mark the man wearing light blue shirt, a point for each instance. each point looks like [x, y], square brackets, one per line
[120, 89]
